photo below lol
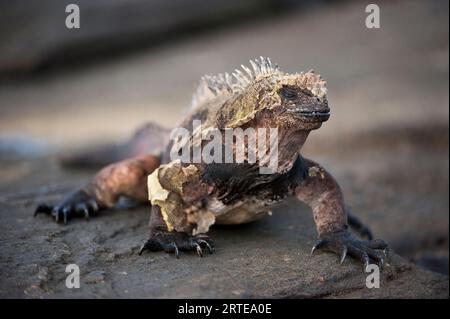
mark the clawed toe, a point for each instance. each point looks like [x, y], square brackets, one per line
[318, 245]
[42, 209]
[83, 209]
[198, 249]
[171, 248]
[173, 242]
[206, 244]
[79, 203]
[343, 244]
[199, 243]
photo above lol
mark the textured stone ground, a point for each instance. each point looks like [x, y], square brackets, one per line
[387, 144]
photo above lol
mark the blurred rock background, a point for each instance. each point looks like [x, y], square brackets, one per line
[137, 61]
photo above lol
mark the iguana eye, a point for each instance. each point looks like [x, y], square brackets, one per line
[288, 93]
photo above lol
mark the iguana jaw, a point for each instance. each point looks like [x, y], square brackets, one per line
[310, 116]
[302, 119]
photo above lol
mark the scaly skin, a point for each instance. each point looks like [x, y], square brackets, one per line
[322, 193]
[263, 98]
[126, 178]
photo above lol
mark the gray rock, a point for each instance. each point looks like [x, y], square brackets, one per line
[269, 258]
[95, 277]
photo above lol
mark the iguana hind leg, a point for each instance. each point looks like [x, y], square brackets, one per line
[127, 178]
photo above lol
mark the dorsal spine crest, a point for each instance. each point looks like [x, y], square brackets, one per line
[225, 85]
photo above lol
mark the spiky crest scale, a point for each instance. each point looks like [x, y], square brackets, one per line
[225, 85]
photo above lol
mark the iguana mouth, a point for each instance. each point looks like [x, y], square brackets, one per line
[311, 116]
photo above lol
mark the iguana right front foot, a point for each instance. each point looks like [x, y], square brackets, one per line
[173, 242]
[126, 178]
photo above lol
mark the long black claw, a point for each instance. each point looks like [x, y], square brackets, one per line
[343, 254]
[86, 214]
[386, 252]
[148, 245]
[82, 208]
[204, 242]
[365, 258]
[55, 213]
[381, 263]
[65, 212]
[42, 208]
[199, 249]
[175, 249]
[143, 247]
[93, 205]
[319, 244]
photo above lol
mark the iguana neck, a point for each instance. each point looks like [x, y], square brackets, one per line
[290, 143]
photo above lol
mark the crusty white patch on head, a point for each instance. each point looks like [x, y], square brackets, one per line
[224, 85]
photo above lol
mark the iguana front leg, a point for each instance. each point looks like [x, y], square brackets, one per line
[177, 219]
[322, 193]
[126, 178]
[172, 241]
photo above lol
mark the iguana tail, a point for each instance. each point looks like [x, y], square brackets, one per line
[358, 226]
[149, 139]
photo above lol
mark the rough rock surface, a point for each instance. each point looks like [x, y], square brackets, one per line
[260, 260]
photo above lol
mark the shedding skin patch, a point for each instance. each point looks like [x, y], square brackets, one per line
[158, 196]
[201, 217]
[316, 171]
[166, 188]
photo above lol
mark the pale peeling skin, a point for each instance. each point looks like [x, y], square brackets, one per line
[189, 198]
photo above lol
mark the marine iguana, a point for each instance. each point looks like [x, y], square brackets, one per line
[187, 198]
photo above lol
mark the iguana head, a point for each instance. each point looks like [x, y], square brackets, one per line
[265, 97]
[290, 100]
[299, 100]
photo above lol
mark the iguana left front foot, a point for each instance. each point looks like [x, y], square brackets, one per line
[173, 242]
[79, 203]
[343, 243]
